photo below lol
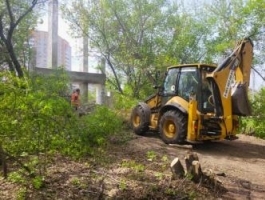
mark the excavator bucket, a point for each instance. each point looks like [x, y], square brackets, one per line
[239, 93]
[240, 102]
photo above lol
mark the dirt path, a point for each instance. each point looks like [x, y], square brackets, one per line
[242, 161]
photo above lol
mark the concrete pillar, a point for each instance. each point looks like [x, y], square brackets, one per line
[84, 92]
[102, 92]
[85, 66]
[85, 53]
[99, 91]
[53, 34]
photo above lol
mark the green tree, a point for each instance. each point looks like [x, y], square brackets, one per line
[228, 24]
[231, 21]
[255, 124]
[256, 19]
[138, 37]
[16, 22]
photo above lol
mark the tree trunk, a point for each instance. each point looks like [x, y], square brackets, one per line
[3, 161]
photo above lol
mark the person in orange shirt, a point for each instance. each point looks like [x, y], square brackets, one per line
[75, 98]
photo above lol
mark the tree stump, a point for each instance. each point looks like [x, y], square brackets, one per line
[177, 168]
[193, 168]
[189, 158]
[196, 171]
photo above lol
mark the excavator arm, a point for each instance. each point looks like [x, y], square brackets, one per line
[230, 80]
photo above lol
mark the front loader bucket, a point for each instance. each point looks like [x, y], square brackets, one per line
[240, 102]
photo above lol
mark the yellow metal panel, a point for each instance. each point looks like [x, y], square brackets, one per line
[154, 102]
[192, 118]
[247, 57]
[179, 101]
[154, 121]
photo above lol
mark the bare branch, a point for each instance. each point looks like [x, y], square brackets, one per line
[263, 78]
[10, 13]
[34, 3]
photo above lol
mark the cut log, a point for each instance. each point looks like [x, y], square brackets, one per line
[177, 168]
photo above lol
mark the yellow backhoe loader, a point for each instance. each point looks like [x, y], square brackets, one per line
[199, 102]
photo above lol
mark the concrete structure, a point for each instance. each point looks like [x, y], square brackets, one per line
[85, 53]
[53, 34]
[93, 78]
[81, 78]
[40, 43]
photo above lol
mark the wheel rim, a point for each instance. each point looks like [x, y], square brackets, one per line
[136, 121]
[169, 129]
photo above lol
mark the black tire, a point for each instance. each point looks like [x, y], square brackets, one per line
[140, 118]
[173, 127]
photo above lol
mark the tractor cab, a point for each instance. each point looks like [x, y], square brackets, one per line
[188, 82]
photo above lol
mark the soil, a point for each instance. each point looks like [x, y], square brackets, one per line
[137, 167]
[241, 163]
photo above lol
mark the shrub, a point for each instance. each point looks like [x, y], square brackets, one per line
[37, 119]
[255, 124]
[32, 110]
[93, 130]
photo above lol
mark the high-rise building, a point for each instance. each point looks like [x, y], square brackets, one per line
[39, 41]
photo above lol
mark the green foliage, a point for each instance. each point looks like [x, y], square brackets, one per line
[151, 155]
[123, 102]
[32, 111]
[16, 177]
[37, 121]
[138, 37]
[255, 124]
[17, 22]
[258, 105]
[80, 135]
[123, 185]
[21, 194]
[38, 182]
[132, 164]
[76, 181]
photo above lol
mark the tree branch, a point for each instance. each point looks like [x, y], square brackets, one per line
[34, 3]
[263, 78]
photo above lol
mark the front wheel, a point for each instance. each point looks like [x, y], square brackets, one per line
[140, 118]
[173, 127]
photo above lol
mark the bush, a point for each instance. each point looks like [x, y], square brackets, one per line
[256, 123]
[37, 119]
[88, 132]
[32, 110]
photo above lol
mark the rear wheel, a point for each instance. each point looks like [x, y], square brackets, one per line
[173, 127]
[140, 119]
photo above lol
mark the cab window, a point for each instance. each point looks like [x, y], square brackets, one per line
[170, 81]
[188, 83]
